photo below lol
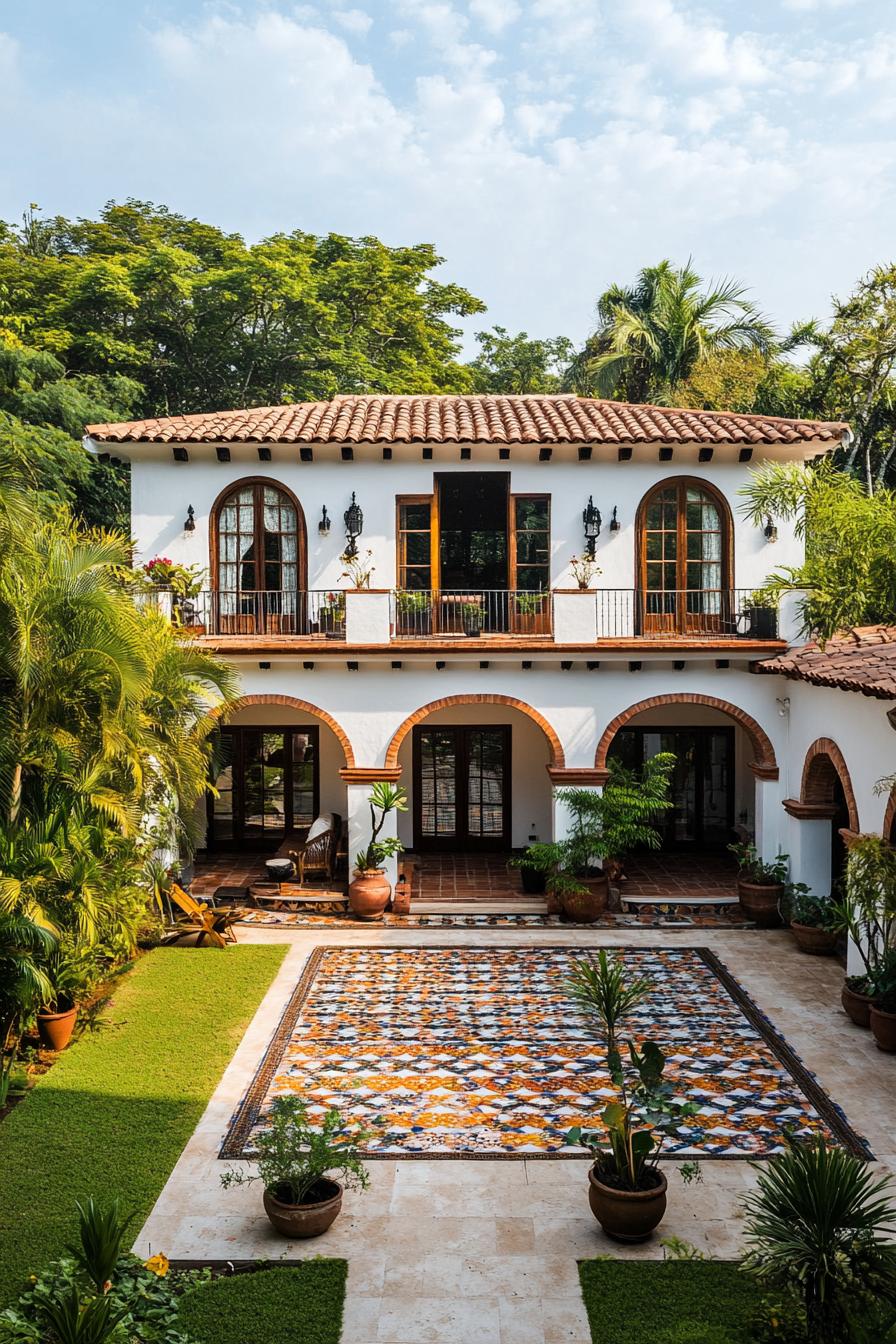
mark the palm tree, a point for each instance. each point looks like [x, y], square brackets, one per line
[652, 334]
[23, 983]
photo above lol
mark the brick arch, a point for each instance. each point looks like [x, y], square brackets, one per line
[558, 759]
[889, 826]
[823, 766]
[291, 702]
[764, 764]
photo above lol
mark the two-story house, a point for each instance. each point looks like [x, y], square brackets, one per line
[474, 668]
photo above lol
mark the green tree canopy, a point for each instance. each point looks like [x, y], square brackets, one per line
[651, 335]
[516, 364]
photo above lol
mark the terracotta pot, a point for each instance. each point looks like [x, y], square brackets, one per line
[589, 905]
[856, 1006]
[55, 1029]
[760, 903]
[883, 1029]
[627, 1215]
[369, 893]
[306, 1220]
[817, 942]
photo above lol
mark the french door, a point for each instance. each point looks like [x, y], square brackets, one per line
[462, 788]
[702, 812]
[267, 786]
[684, 561]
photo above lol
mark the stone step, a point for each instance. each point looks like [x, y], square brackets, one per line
[481, 905]
[706, 904]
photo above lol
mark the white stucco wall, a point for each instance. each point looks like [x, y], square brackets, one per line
[162, 489]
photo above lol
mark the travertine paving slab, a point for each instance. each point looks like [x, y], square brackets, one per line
[463, 1252]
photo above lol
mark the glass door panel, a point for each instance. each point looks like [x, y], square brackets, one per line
[264, 784]
[304, 774]
[437, 787]
[702, 813]
[485, 784]
[222, 820]
[267, 783]
[461, 788]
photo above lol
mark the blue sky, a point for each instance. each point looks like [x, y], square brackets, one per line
[546, 147]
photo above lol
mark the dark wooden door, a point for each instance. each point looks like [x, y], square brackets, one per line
[702, 812]
[462, 788]
[267, 786]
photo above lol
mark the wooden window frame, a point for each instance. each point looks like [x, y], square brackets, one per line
[237, 840]
[682, 484]
[259, 484]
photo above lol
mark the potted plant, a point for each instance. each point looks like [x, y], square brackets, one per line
[358, 568]
[471, 615]
[531, 612]
[370, 890]
[296, 1162]
[584, 569]
[627, 1191]
[603, 826]
[414, 609]
[867, 914]
[331, 615]
[72, 973]
[883, 1002]
[760, 885]
[185, 583]
[812, 920]
[758, 617]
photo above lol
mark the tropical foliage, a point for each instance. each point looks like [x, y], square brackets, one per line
[849, 573]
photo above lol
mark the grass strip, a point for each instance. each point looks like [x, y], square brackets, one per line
[269, 1306]
[114, 1113]
[668, 1301]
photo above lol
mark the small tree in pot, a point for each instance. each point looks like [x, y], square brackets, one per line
[295, 1165]
[867, 914]
[760, 885]
[813, 919]
[369, 892]
[627, 1191]
[604, 827]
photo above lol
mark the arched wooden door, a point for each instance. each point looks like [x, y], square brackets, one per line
[258, 560]
[684, 560]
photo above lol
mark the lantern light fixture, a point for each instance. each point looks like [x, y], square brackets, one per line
[323, 526]
[615, 524]
[354, 525]
[190, 522]
[770, 531]
[591, 520]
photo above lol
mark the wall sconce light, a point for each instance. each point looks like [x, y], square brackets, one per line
[770, 531]
[354, 525]
[323, 526]
[615, 524]
[190, 524]
[591, 520]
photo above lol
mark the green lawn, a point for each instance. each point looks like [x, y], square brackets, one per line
[113, 1115]
[668, 1301]
[270, 1306]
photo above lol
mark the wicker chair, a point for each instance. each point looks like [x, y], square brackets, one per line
[317, 852]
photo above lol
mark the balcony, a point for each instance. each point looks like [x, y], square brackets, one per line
[730, 613]
[427, 614]
[624, 618]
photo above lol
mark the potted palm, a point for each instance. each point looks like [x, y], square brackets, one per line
[414, 609]
[602, 826]
[71, 973]
[867, 913]
[627, 1191]
[812, 920]
[471, 615]
[370, 889]
[296, 1165]
[760, 884]
[531, 612]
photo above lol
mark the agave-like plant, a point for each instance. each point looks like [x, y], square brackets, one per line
[101, 1232]
[817, 1228]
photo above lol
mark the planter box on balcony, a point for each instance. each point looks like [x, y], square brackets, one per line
[575, 616]
[367, 616]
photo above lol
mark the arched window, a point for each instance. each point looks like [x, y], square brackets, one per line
[258, 559]
[684, 540]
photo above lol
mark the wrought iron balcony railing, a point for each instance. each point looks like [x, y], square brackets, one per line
[727, 613]
[224, 612]
[424, 613]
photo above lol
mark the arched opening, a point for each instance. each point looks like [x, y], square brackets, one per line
[684, 559]
[258, 559]
[277, 768]
[826, 789]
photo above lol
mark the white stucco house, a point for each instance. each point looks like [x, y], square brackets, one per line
[473, 667]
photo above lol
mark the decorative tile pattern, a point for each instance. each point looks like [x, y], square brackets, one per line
[471, 1052]
[652, 917]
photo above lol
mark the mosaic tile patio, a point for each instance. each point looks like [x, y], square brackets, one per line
[473, 1052]
[657, 917]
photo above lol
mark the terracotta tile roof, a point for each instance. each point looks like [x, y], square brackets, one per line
[862, 660]
[477, 419]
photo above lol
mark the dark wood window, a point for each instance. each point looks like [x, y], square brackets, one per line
[267, 784]
[258, 558]
[531, 543]
[684, 539]
[414, 541]
[462, 788]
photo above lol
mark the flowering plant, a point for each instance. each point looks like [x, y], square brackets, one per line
[183, 580]
[584, 569]
[358, 568]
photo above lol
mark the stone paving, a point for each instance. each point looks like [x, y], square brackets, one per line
[484, 1251]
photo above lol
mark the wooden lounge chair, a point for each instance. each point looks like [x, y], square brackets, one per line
[201, 921]
[317, 852]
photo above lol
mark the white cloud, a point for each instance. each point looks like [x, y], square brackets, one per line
[700, 47]
[537, 120]
[354, 21]
[495, 15]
